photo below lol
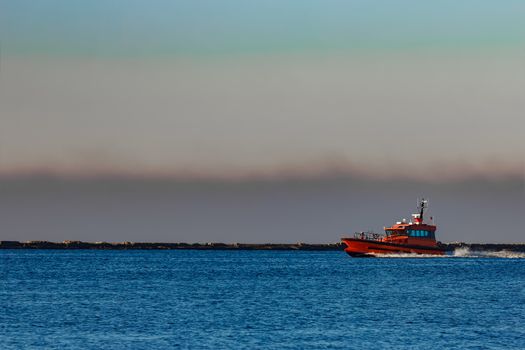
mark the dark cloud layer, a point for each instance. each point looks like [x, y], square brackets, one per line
[278, 210]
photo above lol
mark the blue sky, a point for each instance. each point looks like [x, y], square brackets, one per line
[242, 87]
[130, 28]
[259, 121]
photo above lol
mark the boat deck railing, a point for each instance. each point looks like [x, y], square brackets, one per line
[371, 236]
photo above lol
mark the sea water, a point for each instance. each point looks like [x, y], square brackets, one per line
[259, 299]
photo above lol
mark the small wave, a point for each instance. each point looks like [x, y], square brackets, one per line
[460, 253]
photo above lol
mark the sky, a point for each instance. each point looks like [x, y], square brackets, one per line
[270, 105]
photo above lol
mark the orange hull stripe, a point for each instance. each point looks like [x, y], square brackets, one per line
[368, 247]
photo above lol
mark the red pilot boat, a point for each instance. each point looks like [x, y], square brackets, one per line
[414, 237]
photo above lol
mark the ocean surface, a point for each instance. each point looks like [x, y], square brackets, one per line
[259, 300]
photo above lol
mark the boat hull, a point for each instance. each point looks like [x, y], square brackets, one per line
[368, 248]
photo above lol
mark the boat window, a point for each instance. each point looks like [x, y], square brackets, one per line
[420, 233]
[415, 233]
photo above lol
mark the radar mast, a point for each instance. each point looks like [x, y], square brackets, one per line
[421, 206]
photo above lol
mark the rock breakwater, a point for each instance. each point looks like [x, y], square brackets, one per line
[516, 247]
[165, 246]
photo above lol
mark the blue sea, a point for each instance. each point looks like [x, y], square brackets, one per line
[259, 300]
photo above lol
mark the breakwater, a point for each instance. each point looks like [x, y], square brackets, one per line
[516, 247]
[158, 246]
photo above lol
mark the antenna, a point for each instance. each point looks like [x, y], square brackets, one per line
[421, 206]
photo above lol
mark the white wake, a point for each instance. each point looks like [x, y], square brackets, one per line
[460, 253]
[507, 254]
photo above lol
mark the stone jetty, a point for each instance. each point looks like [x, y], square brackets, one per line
[165, 246]
[517, 247]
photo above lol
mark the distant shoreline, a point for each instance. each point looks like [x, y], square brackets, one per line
[75, 245]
